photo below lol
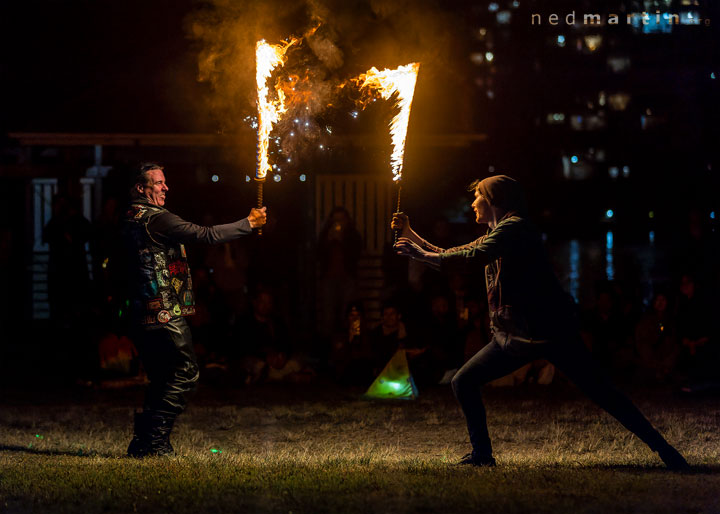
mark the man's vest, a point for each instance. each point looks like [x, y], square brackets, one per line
[160, 282]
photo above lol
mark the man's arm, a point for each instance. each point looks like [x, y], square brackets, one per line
[176, 229]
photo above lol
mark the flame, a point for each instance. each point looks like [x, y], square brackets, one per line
[400, 81]
[267, 58]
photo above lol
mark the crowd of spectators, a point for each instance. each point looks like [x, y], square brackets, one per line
[244, 334]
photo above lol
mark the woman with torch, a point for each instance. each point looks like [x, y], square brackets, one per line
[531, 316]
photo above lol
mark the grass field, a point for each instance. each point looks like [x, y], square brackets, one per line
[320, 449]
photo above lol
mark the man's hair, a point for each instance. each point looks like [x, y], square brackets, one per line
[473, 185]
[142, 177]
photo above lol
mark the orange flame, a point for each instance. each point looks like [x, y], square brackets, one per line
[267, 58]
[400, 81]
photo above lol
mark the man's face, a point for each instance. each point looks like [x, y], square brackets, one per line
[483, 212]
[155, 188]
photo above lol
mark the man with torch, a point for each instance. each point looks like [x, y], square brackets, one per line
[161, 296]
[531, 316]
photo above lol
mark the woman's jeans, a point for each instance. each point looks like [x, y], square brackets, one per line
[504, 354]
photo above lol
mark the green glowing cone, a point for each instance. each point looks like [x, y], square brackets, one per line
[394, 381]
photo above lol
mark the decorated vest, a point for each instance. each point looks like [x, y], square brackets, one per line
[161, 286]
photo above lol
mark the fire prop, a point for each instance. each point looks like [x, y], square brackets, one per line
[267, 58]
[401, 82]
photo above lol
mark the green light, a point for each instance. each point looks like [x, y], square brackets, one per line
[394, 381]
[39, 436]
[215, 450]
[651, 214]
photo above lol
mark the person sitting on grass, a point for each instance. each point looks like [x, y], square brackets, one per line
[531, 316]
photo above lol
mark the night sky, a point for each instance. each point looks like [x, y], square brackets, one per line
[98, 66]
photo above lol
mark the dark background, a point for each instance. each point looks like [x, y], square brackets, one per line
[101, 67]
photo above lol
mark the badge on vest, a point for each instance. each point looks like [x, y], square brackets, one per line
[163, 316]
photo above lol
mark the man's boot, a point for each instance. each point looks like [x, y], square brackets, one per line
[160, 426]
[140, 445]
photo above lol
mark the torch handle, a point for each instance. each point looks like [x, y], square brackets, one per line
[260, 184]
[399, 194]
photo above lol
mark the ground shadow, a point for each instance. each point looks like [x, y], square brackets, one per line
[711, 469]
[70, 453]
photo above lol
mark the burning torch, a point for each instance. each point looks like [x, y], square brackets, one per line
[401, 82]
[267, 58]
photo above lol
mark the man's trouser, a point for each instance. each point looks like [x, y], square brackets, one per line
[504, 355]
[168, 357]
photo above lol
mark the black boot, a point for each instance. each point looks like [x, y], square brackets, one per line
[139, 446]
[159, 428]
[474, 459]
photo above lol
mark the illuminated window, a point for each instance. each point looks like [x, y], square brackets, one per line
[619, 101]
[595, 122]
[555, 118]
[618, 64]
[690, 18]
[477, 58]
[503, 17]
[593, 42]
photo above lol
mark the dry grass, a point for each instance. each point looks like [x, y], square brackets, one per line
[322, 450]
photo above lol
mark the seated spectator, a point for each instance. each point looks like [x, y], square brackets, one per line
[697, 357]
[605, 333]
[281, 368]
[257, 337]
[351, 355]
[388, 337]
[441, 337]
[655, 341]
[118, 356]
